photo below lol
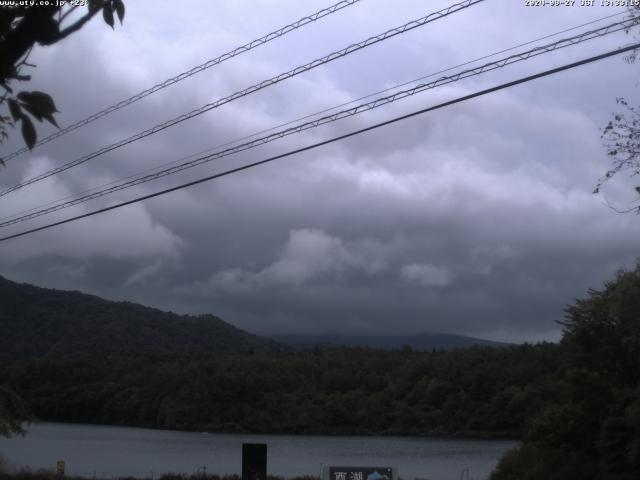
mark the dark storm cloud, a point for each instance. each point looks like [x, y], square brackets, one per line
[476, 219]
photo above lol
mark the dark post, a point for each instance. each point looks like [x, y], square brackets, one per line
[59, 469]
[254, 461]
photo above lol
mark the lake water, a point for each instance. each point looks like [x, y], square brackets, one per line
[104, 451]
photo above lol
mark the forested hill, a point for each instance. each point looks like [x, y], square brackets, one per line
[480, 391]
[37, 322]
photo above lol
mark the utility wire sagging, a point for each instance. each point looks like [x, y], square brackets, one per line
[254, 88]
[312, 115]
[193, 71]
[364, 107]
[305, 117]
[334, 139]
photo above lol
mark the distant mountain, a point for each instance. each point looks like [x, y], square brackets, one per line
[42, 322]
[422, 341]
[38, 322]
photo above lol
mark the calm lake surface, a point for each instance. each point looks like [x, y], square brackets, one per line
[109, 451]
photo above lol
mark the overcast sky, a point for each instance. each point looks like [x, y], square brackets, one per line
[475, 219]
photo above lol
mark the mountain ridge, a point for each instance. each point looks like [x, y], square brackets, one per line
[43, 322]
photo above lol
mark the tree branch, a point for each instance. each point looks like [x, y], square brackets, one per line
[18, 41]
[66, 14]
[626, 210]
[74, 27]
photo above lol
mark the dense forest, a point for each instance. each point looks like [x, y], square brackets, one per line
[479, 391]
[78, 358]
[576, 404]
[591, 427]
[420, 341]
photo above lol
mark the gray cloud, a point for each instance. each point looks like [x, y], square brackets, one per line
[475, 219]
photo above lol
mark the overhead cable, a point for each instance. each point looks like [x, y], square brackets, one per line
[331, 140]
[311, 115]
[252, 89]
[189, 73]
[364, 107]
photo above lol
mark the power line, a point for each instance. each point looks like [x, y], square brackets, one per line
[290, 122]
[193, 71]
[254, 88]
[332, 140]
[501, 63]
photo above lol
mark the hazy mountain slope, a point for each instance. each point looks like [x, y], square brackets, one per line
[37, 322]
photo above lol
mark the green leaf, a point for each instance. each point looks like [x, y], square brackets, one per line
[107, 14]
[49, 118]
[40, 100]
[33, 111]
[28, 132]
[40, 105]
[14, 108]
[40, 115]
[45, 100]
[119, 6]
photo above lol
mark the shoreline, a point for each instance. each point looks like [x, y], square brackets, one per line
[27, 474]
[478, 436]
[120, 452]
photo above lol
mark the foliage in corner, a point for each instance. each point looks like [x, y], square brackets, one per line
[592, 430]
[21, 28]
[621, 137]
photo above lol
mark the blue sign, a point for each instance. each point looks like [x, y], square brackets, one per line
[360, 473]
